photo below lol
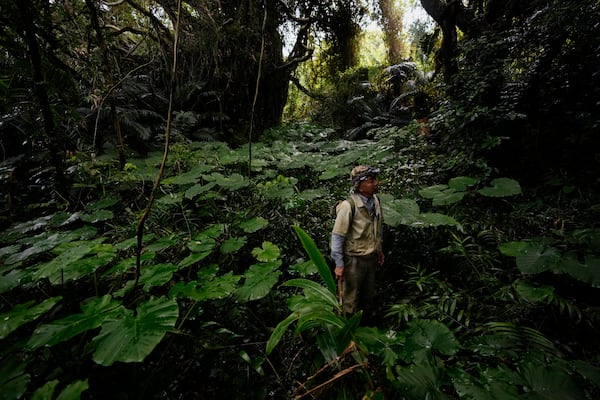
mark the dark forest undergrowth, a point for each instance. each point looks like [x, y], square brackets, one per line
[489, 290]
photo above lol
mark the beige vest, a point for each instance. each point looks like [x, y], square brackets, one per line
[364, 236]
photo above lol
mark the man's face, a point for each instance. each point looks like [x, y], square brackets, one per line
[369, 186]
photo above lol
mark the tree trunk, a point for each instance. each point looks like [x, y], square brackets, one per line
[444, 13]
[41, 92]
[110, 82]
[391, 23]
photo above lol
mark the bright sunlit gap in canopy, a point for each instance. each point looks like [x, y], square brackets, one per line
[373, 44]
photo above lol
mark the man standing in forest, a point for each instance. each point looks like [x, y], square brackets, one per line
[356, 241]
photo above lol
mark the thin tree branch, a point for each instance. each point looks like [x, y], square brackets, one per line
[146, 213]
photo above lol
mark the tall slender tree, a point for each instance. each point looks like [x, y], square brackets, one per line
[391, 23]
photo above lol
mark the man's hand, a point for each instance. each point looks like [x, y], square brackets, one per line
[339, 271]
[381, 258]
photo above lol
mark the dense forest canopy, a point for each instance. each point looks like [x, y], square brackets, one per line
[167, 170]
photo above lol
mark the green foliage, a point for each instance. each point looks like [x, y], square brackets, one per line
[317, 258]
[224, 277]
[457, 188]
[534, 257]
[24, 313]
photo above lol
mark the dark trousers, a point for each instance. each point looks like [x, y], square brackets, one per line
[359, 283]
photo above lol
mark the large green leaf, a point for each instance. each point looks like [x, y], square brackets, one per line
[24, 313]
[442, 195]
[421, 381]
[462, 183]
[588, 272]
[75, 260]
[512, 249]
[208, 286]
[71, 392]
[399, 211]
[15, 278]
[427, 338]
[186, 178]
[267, 253]
[534, 293]
[312, 194]
[31, 225]
[94, 312]
[13, 378]
[469, 387]
[254, 224]
[43, 243]
[259, 280]
[152, 275]
[219, 287]
[537, 257]
[279, 331]
[333, 172]
[97, 216]
[234, 182]
[131, 338]
[46, 391]
[200, 249]
[314, 290]
[313, 310]
[426, 220]
[317, 258]
[196, 190]
[232, 245]
[549, 382]
[501, 187]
